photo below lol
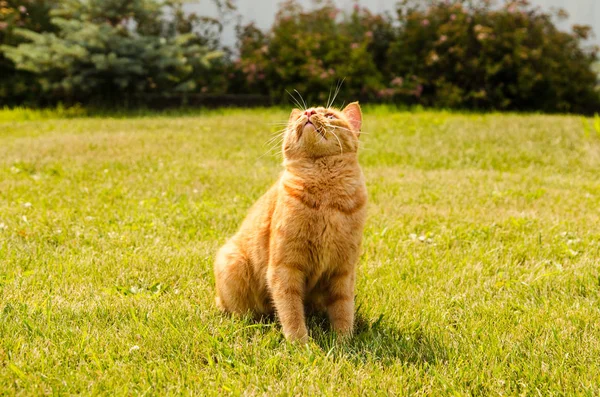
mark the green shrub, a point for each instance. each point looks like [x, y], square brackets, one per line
[456, 54]
[469, 54]
[311, 51]
[473, 55]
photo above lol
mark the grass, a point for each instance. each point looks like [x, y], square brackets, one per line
[480, 272]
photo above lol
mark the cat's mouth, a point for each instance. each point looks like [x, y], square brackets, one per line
[315, 127]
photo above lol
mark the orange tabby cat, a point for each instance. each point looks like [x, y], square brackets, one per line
[300, 243]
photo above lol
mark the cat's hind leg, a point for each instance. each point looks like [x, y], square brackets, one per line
[234, 281]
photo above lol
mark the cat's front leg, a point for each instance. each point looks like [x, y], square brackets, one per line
[340, 302]
[287, 285]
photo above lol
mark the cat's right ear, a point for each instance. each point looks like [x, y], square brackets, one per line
[294, 115]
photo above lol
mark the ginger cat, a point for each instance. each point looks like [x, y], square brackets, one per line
[300, 243]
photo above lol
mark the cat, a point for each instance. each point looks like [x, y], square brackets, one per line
[300, 243]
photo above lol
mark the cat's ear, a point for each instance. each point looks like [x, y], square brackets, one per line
[354, 115]
[294, 115]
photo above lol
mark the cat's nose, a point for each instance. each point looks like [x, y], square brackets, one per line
[310, 112]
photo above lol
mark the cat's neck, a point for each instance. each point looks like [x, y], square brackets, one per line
[323, 168]
[345, 160]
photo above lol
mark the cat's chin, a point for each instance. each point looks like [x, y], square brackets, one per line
[308, 127]
[316, 133]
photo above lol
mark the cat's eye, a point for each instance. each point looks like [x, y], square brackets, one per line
[330, 116]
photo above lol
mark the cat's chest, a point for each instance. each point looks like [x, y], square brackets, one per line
[322, 196]
[331, 245]
[325, 217]
[331, 235]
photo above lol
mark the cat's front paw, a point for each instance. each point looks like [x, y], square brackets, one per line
[344, 335]
[298, 336]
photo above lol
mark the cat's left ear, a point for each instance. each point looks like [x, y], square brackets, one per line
[294, 115]
[354, 115]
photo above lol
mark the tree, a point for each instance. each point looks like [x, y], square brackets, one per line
[20, 86]
[108, 50]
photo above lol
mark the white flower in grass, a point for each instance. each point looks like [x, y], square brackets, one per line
[422, 238]
[27, 205]
[3, 226]
[134, 348]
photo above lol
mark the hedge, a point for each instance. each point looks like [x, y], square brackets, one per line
[461, 54]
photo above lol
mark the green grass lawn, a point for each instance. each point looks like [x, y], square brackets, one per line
[480, 271]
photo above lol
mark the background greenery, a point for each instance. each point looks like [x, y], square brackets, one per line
[450, 54]
[479, 272]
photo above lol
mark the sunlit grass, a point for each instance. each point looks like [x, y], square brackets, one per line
[480, 270]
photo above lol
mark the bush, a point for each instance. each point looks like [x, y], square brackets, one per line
[457, 54]
[311, 51]
[111, 50]
[478, 56]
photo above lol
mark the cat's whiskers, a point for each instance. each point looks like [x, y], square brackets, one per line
[279, 131]
[274, 148]
[274, 140]
[274, 143]
[296, 101]
[349, 130]
[339, 142]
[366, 149]
[303, 101]
[275, 135]
[321, 132]
[331, 128]
[337, 91]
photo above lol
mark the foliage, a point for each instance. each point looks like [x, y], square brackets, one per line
[596, 69]
[468, 54]
[458, 54]
[311, 51]
[20, 86]
[473, 55]
[107, 50]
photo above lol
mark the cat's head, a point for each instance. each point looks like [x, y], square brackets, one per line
[319, 132]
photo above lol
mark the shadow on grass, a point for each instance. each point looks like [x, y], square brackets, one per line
[377, 341]
[373, 340]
